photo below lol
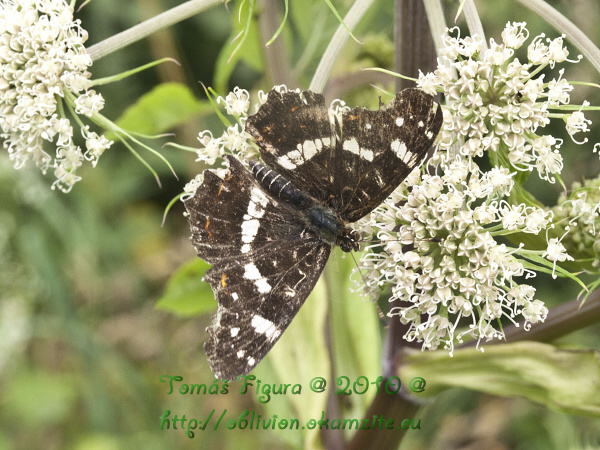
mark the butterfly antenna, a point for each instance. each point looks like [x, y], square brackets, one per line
[374, 241]
[362, 275]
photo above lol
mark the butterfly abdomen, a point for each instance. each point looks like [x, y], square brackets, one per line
[318, 217]
[279, 186]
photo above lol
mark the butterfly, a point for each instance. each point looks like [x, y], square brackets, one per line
[268, 231]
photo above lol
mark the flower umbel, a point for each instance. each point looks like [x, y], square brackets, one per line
[43, 71]
[496, 104]
[440, 256]
[582, 211]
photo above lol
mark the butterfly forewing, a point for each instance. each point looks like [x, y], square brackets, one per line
[296, 138]
[378, 149]
[265, 265]
[352, 166]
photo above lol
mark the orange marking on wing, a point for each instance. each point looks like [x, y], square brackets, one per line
[207, 223]
[223, 283]
[293, 109]
[220, 189]
[352, 117]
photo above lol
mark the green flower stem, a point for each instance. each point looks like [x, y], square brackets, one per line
[277, 58]
[280, 29]
[334, 286]
[392, 73]
[146, 28]
[353, 17]
[572, 108]
[241, 37]
[564, 25]
[128, 73]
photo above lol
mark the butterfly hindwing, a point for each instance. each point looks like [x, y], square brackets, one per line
[264, 266]
[258, 298]
[232, 217]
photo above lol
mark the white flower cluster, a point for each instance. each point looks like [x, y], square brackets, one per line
[43, 69]
[582, 211]
[496, 104]
[439, 254]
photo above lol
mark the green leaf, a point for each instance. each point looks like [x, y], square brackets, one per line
[565, 380]
[355, 334]
[163, 108]
[186, 294]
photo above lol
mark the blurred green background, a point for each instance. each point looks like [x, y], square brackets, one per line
[82, 343]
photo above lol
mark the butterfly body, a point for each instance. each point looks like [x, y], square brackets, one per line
[323, 220]
[268, 232]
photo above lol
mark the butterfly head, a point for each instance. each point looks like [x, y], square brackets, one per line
[348, 241]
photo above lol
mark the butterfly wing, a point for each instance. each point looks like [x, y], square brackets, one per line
[366, 157]
[378, 149]
[265, 264]
[296, 138]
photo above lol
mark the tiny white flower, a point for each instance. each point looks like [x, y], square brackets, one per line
[190, 188]
[535, 311]
[89, 103]
[515, 34]
[237, 102]
[213, 148]
[577, 122]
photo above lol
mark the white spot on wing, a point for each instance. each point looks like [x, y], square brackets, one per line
[251, 273]
[420, 124]
[241, 354]
[234, 295]
[251, 361]
[368, 126]
[429, 135]
[366, 154]
[286, 163]
[266, 327]
[259, 197]
[399, 148]
[263, 286]
[399, 121]
[250, 225]
[234, 332]
[249, 230]
[310, 149]
[352, 146]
